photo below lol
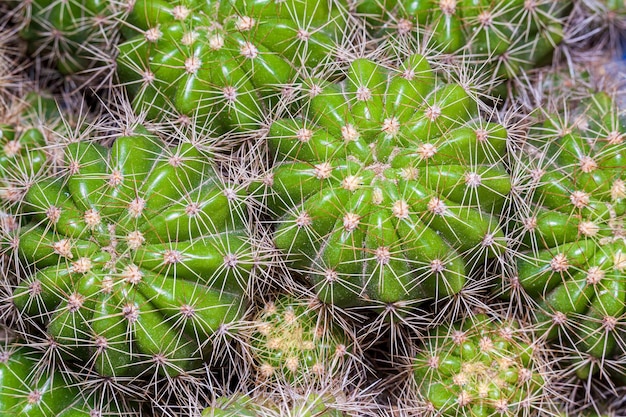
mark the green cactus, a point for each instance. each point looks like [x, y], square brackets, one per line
[388, 190]
[572, 258]
[505, 37]
[29, 389]
[222, 61]
[27, 140]
[136, 257]
[479, 368]
[72, 35]
[291, 342]
[313, 405]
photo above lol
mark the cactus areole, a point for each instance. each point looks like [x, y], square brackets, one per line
[136, 257]
[386, 191]
[223, 61]
[573, 259]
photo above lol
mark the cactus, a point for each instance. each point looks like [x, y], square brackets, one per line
[134, 258]
[387, 192]
[29, 390]
[503, 37]
[313, 405]
[572, 255]
[291, 341]
[30, 128]
[480, 367]
[222, 62]
[72, 36]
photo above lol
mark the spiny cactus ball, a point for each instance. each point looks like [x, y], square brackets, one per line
[294, 343]
[572, 258]
[479, 368]
[135, 258]
[387, 189]
[223, 62]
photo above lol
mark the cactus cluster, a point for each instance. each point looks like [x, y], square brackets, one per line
[309, 208]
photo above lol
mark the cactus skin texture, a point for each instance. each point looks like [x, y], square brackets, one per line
[26, 391]
[573, 255]
[220, 61]
[510, 35]
[384, 192]
[313, 405]
[135, 257]
[292, 343]
[479, 368]
[25, 143]
[73, 35]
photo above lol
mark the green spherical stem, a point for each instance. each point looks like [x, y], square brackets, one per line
[479, 368]
[73, 36]
[223, 62]
[28, 389]
[139, 254]
[382, 191]
[290, 342]
[313, 405]
[503, 37]
[572, 262]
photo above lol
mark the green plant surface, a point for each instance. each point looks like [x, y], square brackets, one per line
[29, 389]
[136, 257]
[72, 35]
[313, 405]
[573, 255]
[292, 342]
[387, 189]
[503, 37]
[478, 368]
[223, 62]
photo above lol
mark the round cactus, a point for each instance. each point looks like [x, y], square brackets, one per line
[73, 35]
[134, 257]
[479, 368]
[505, 37]
[292, 342]
[29, 131]
[30, 389]
[572, 258]
[387, 190]
[222, 62]
[313, 405]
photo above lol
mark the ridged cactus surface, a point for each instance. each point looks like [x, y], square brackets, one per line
[292, 343]
[479, 368]
[135, 257]
[313, 405]
[73, 35]
[573, 255]
[28, 389]
[223, 61]
[504, 37]
[387, 189]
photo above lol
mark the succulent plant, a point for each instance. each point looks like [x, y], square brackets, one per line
[480, 367]
[31, 127]
[222, 62]
[313, 405]
[505, 37]
[29, 388]
[572, 256]
[387, 189]
[292, 342]
[135, 257]
[71, 35]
